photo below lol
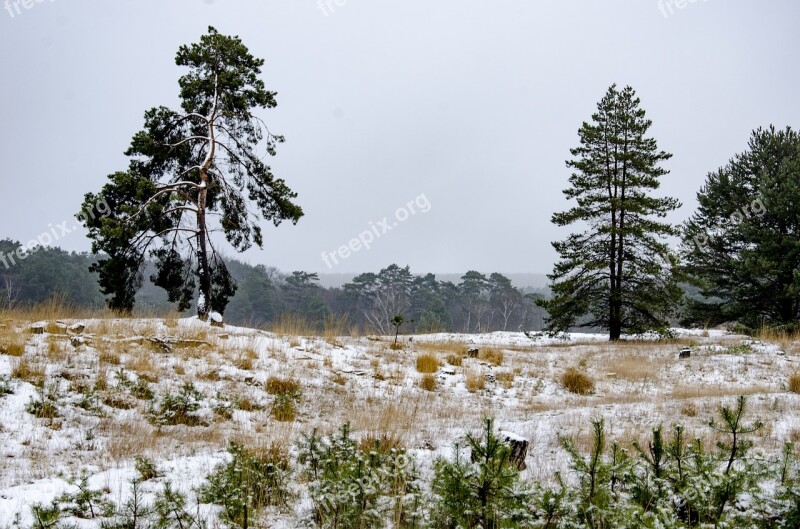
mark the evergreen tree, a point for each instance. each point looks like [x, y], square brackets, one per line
[188, 168]
[611, 274]
[742, 243]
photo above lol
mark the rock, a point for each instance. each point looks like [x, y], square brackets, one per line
[223, 336]
[216, 319]
[77, 341]
[472, 352]
[448, 370]
[77, 328]
[38, 327]
[519, 448]
[685, 353]
[490, 378]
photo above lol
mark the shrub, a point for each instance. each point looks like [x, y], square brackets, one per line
[428, 382]
[354, 488]
[86, 503]
[427, 363]
[794, 383]
[577, 382]
[480, 486]
[146, 468]
[493, 356]
[45, 407]
[178, 409]
[248, 483]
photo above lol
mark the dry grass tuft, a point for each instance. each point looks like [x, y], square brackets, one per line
[505, 378]
[455, 359]
[491, 355]
[381, 443]
[428, 382]
[794, 383]
[427, 363]
[24, 369]
[12, 345]
[578, 382]
[282, 386]
[689, 409]
[475, 381]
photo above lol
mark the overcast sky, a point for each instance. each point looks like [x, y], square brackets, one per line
[469, 107]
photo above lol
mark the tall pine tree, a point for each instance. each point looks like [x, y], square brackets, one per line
[743, 242]
[193, 171]
[612, 274]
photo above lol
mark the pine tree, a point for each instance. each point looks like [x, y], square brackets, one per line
[193, 171]
[742, 243]
[613, 274]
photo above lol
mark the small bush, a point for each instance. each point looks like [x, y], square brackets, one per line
[577, 382]
[282, 386]
[493, 356]
[146, 468]
[794, 383]
[249, 483]
[178, 409]
[428, 382]
[427, 363]
[455, 359]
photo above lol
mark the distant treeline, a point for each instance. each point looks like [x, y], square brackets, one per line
[478, 303]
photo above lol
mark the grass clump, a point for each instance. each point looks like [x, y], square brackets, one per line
[428, 382]
[10, 347]
[27, 371]
[455, 359]
[475, 381]
[578, 382]
[493, 356]
[427, 363]
[794, 383]
[282, 386]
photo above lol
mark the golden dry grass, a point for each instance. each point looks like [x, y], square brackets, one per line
[428, 382]
[491, 355]
[505, 378]
[427, 363]
[293, 325]
[282, 386]
[576, 381]
[475, 381]
[24, 369]
[635, 368]
[794, 383]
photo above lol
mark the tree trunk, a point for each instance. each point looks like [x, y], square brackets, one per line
[203, 271]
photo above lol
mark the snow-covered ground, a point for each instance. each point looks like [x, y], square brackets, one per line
[101, 426]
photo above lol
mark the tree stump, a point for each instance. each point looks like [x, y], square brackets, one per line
[519, 448]
[685, 353]
[37, 328]
[472, 352]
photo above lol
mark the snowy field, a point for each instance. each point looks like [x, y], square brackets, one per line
[98, 378]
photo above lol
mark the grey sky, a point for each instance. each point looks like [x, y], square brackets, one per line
[473, 104]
